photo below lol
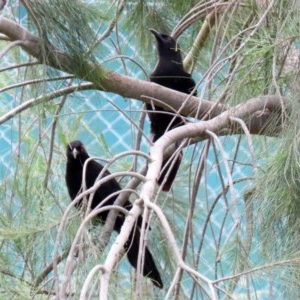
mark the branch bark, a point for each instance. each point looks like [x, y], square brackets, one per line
[134, 88]
[214, 125]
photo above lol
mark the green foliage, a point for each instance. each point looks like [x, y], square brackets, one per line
[66, 24]
[243, 56]
[278, 191]
[276, 198]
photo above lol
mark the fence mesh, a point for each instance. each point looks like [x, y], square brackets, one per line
[107, 124]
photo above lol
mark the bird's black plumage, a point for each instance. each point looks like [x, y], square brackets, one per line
[169, 72]
[76, 157]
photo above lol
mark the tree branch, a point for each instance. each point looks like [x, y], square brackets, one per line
[134, 88]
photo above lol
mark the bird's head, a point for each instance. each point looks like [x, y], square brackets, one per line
[76, 150]
[166, 45]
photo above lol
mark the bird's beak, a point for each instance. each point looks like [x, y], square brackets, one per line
[75, 153]
[156, 33]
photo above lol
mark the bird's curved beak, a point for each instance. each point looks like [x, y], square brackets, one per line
[156, 33]
[75, 153]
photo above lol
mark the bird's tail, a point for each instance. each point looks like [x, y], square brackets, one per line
[169, 171]
[150, 269]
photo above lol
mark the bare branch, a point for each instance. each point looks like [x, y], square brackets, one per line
[133, 88]
[48, 97]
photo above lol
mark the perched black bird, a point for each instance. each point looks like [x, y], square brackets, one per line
[76, 156]
[168, 72]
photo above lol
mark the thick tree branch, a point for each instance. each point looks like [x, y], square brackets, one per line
[215, 125]
[198, 131]
[133, 88]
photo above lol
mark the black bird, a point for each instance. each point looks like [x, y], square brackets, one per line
[168, 72]
[76, 156]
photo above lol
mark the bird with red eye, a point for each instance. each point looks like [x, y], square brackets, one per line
[168, 72]
[76, 157]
